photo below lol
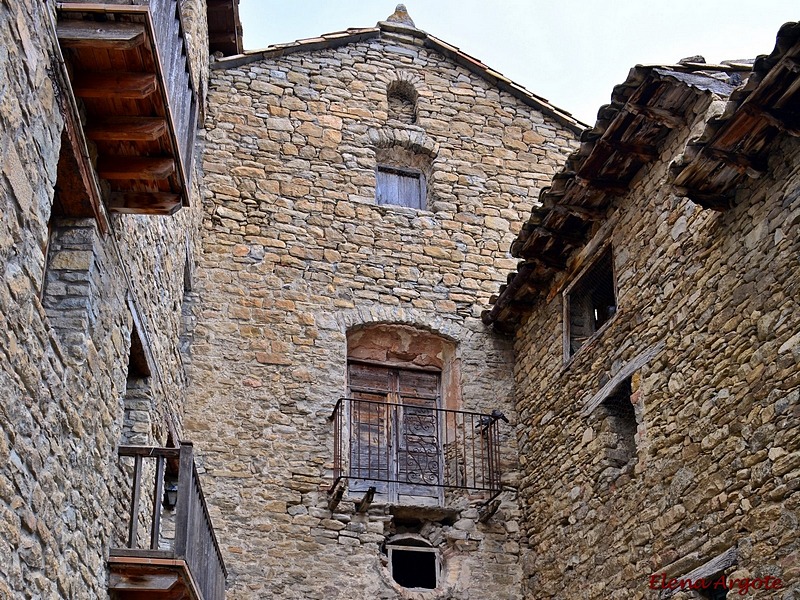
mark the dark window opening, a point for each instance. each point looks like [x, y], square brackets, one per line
[402, 99]
[414, 568]
[137, 360]
[620, 425]
[591, 302]
[717, 588]
[399, 187]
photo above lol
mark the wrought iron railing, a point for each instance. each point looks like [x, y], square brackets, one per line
[189, 533]
[406, 447]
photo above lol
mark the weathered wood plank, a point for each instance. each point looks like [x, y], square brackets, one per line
[104, 35]
[143, 582]
[133, 86]
[135, 167]
[128, 129]
[144, 203]
[629, 369]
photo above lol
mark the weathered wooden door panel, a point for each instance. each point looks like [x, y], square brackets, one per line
[395, 432]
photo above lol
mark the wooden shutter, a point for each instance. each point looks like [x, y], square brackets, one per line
[370, 418]
[419, 452]
[399, 187]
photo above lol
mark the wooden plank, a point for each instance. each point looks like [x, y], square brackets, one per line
[659, 115]
[147, 451]
[135, 167]
[132, 86]
[582, 212]
[137, 492]
[144, 203]
[127, 129]
[103, 35]
[144, 582]
[158, 495]
[629, 369]
[184, 508]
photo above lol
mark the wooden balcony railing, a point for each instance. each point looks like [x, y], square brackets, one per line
[170, 551]
[411, 453]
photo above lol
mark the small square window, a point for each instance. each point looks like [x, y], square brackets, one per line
[589, 303]
[414, 567]
[399, 187]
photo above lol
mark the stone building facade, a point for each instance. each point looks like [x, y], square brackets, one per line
[308, 265]
[664, 441]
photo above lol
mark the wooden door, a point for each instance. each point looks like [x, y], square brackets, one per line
[395, 443]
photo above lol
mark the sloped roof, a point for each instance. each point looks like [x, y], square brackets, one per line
[352, 36]
[629, 134]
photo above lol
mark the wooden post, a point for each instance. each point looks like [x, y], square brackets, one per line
[183, 509]
[137, 492]
[158, 495]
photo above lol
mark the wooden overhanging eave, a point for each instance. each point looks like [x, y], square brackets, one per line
[128, 117]
[629, 134]
[736, 145]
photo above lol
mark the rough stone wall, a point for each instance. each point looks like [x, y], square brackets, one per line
[296, 253]
[65, 328]
[718, 457]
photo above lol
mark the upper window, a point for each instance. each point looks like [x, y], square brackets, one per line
[400, 187]
[589, 303]
[402, 98]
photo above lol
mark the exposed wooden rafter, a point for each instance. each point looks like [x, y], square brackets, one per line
[582, 212]
[130, 129]
[135, 167]
[105, 35]
[110, 85]
[659, 115]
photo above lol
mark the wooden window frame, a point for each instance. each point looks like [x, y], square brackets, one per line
[416, 174]
[576, 282]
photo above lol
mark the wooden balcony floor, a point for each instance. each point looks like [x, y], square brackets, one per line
[150, 578]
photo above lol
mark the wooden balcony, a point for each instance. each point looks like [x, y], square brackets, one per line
[171, 552]
[128, 69]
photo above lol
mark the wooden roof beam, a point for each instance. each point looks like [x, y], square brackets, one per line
[101, 35]
[781, 119]
[644, 152]
[738, 161]
[582, 212]
[144, 203]
[659, 115]
[551, 262]
[114, 85]
[135, 167]
[128, 129]
[618, 188]
[572, 240]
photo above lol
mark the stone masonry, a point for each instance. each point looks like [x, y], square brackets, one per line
[717, 425]
[70, 298]
[296, 254]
